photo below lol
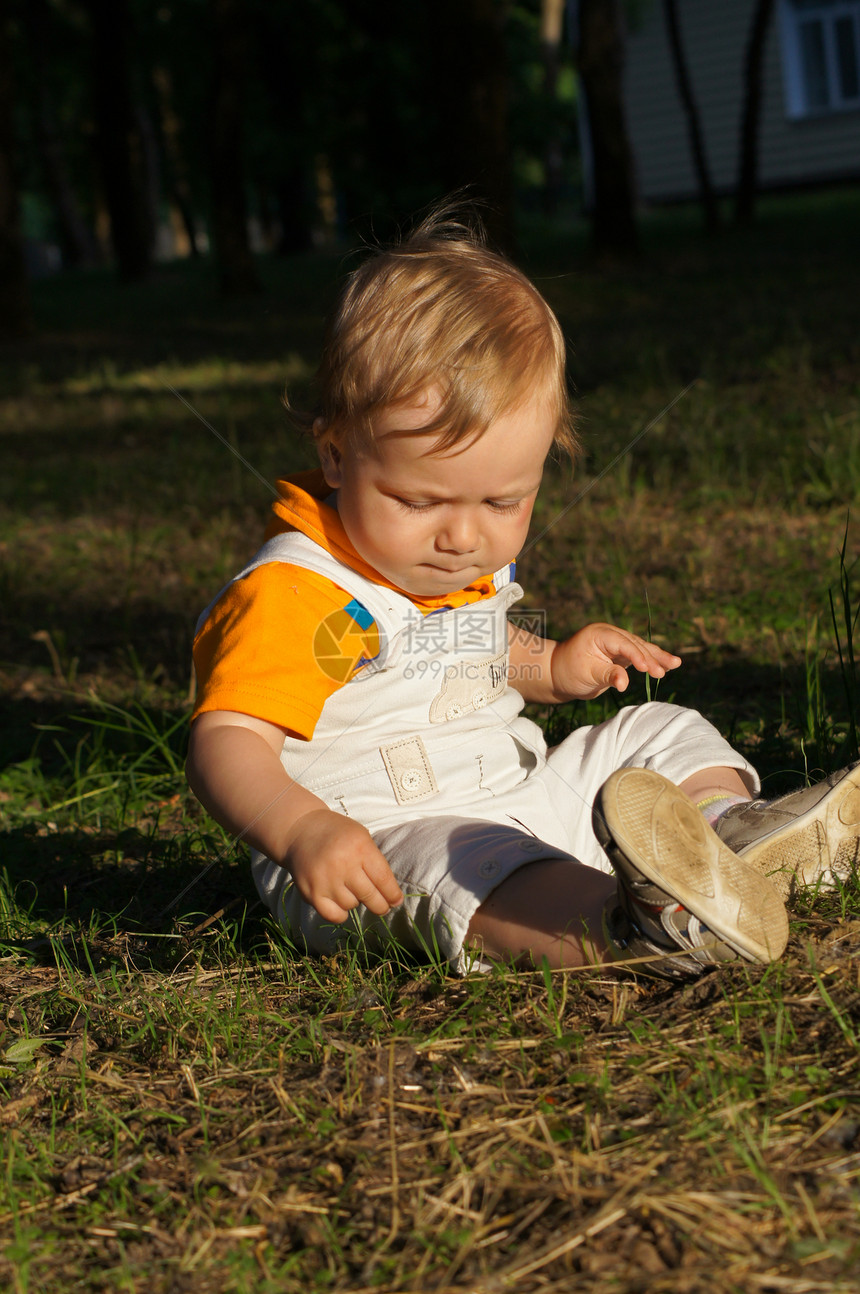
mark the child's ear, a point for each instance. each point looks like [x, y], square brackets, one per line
[330, 461]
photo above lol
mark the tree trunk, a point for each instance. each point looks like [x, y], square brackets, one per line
[707, 196]
[292, 205]
[150, 156]
[176, 168]
[291, 75]
[751, 117]
[473, 106]
[77, 241]
[237, 272]
[600, 59]
[551, 26]
[15, 317]
[118, 140]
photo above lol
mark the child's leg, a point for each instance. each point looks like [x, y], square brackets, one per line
[680, 899]
[551, 908]
[685, 894]
[810, 837]
[678, 743]
[476, 886]
[448, 869]
[713, 783]
[554, 909]
[679, 885]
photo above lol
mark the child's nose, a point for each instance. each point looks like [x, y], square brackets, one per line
[459, 533]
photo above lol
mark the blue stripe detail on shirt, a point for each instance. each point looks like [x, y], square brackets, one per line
[359, 613]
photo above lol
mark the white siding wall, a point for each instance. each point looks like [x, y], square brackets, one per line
[715, 36]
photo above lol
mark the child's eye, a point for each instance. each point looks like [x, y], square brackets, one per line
[505, 507]
[413, 507]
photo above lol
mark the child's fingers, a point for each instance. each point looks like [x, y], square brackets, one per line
[649, 658]
[375, 902]
[336, 907]
[371, 886]
[382, 892]
[330, 910]
[667, 659]
[646, 666]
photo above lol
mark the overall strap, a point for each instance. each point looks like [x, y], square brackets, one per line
[392, 611]
[385, 605]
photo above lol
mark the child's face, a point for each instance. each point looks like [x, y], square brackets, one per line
[432, 523]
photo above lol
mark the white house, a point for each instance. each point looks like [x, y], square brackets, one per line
[810, 108]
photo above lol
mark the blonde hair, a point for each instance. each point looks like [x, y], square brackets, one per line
[439, 310]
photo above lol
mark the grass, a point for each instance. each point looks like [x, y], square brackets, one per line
[186, 1103]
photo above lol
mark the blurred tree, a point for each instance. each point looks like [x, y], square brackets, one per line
[317, 117]
[176, 168]
[542, 109]
[119, 139]
[178, 91]
[751, 115]
[471, 105]
[599, 39]
[707, 197]
[230, 38]
[551, 26]
[290, 104]
[78, 245]
[378, 112]
[15, 316]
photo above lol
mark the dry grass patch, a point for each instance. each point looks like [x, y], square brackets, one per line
[249, 1126]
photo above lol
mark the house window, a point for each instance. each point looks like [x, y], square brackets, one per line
[820, 55]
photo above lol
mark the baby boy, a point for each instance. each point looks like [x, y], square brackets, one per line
[360, 683]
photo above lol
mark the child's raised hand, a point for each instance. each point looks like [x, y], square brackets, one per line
[597, 658]
[337, 866]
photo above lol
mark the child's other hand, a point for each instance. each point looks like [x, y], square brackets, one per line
[336, 866]
[598, 657]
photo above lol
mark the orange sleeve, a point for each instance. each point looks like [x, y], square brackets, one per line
[278, 644]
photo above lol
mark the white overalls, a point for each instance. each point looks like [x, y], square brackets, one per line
[426, 746]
